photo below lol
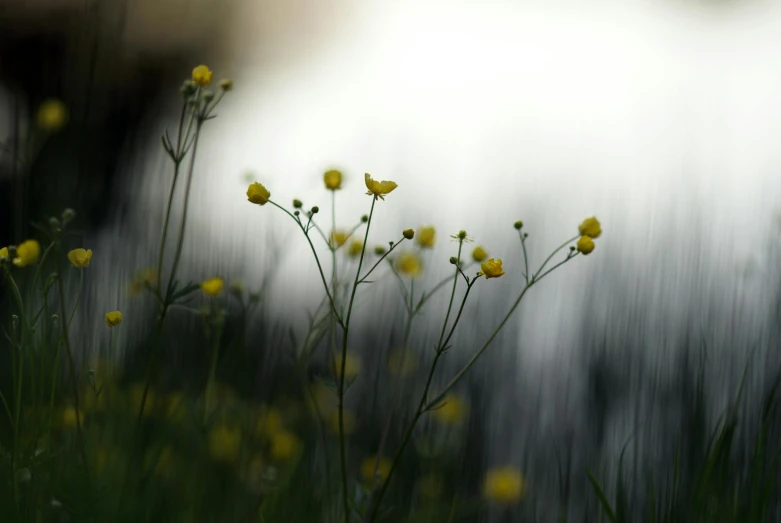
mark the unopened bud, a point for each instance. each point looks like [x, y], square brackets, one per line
[364, 218]
[188, 89]
[408, 233]
[208, 96]
[226, 84]
[54, 223]
[297, 204]
[315, 209]
[68, 215]
[379, 250]
[55, 318]
[453, 260]
[461, 235]
[518, 225]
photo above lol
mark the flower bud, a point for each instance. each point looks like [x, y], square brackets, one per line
[518, 225]
[364, 218]
[226, 84]
[315, 209]
[296, 213]
[55, 318]
[408, 233]
[54, 223]
[461, 235]
[187, 89]
[379, 250]
[525, 235]
[297, 204]
[68, 215]
[453, 260]
[208, 95]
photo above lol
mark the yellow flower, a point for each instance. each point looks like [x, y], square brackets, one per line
[352, 366]
[225, 443]
[585, 245]
[409, 264]
[426, 236]
[491, 268]
[452, 411]
[338, 238]
[4, 253]
[401, 362]
[52, 115]
[226, 84]
[355, 248]
[333, 180]
[27, 253]
[69, 418]
[284, 445]
[258, 194]
[113, 318]
[80, 257]
[479, 254]
[379, 189]
[143, 278]
[504, 485]
[590, 227]
[348, 418]
[202, 75]
[367, 468]
[212, 286]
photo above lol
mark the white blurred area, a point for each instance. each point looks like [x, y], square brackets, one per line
[659, 117]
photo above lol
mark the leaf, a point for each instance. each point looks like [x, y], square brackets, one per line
[601, 495]
[188, 289]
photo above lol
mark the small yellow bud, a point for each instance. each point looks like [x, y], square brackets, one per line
[590, 227]
[479, 254]
[355, 248]
[333, 180]
[585, 245]
[408, 233]
[226, 84]
[426, 236]
[113, 318]
[80, 257]
[4, 253]
[212, 287]
[52, 115]
[258, 194]
[202, 75]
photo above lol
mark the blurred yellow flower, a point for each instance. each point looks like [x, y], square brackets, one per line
[284, 445]
[355, 248]
[401, 362]
[69, 417]
[585, 245]
[352, 365]
[337, 239]
[504, 485]
[4, 253]
[590, 227]
[379, 189]
[409, 264]
[202, 75]
[333, 180]
[52, 115]
[269, 422]
[226, 84]
[348, 419]
[324, 399]
[212, 286]
[142, 278]
[257, 193]
[452, 411]
[368, 472]
[80, 257]
[479, 254]
[426, 236]
[225, 443]
[27, 253]
[491, 268]
[113, 318]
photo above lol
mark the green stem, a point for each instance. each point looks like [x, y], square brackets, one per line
[346, 329]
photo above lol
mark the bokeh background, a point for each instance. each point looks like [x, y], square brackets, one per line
[658, 117]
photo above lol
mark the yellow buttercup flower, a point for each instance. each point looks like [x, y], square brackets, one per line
[333, 180]
[257, 193]
[409, 264]
[368, 472]
[27, 253]
[492, 268]
[52, 115]
[585, 245]
[426, 236]
[452, 411]
[4, 253]
[338, 238]
[212, 286]
[225, 443]
[284, 445]
[355, 248]
[479, 254]
[80, 257]
[590, 227]
[202, 75]
[379, 189]
[113, 318]
[504, 485]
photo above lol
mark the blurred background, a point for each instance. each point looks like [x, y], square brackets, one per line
[658, 117]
